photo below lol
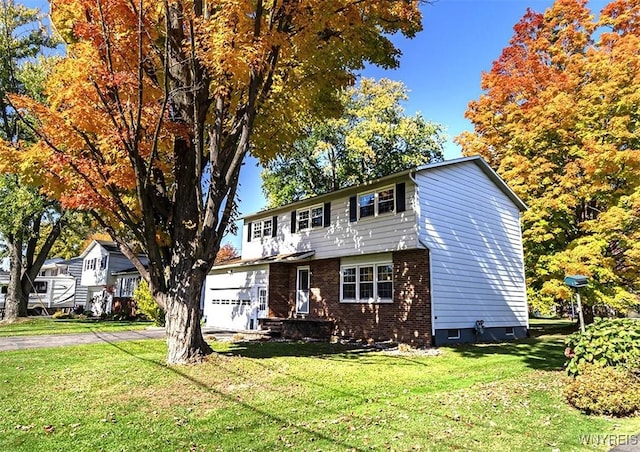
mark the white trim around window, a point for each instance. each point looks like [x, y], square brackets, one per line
[310, 217]
[262, 228]
[366, 283]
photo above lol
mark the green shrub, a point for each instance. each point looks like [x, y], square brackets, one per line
[606, 342]
[604, 390]
[147, 305]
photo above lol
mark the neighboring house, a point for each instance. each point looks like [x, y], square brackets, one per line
[101, 262]
[54, 288]
[427, 256]
[126, 282]
[101, 280]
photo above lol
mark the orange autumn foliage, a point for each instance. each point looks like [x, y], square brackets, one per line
[153, 110]
[560, 122]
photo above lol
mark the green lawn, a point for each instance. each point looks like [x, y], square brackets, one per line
[275, 396]
[39, 326]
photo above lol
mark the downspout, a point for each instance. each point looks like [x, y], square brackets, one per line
[420, 242]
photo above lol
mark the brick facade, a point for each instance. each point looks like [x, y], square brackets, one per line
[406, 320]
[279, 302]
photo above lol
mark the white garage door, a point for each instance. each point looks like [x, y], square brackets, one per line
[231, 309]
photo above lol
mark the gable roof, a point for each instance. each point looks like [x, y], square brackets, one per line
[476, 159]
[110, 247]
[486, 169]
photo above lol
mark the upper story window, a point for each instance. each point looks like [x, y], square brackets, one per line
[262, 228]
[90, 264]
[311, 217]
[376, 203]
[373, 203]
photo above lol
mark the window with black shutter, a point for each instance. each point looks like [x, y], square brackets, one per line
[400, 197]
[327, 214]
[353, 209]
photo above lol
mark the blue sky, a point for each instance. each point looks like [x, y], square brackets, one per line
[441, 67]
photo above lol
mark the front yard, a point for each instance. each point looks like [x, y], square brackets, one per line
[274, 396]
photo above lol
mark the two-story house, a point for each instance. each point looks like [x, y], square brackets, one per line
[102, 262]
[431, 255]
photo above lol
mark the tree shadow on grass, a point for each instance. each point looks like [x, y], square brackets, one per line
[273, 349]
[181, 371]
[539, 353]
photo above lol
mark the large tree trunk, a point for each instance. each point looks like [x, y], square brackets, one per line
[16, 300]
[25, 261]
[184, 335]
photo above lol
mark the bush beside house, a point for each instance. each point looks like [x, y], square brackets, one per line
[604, 365]
[147, 305]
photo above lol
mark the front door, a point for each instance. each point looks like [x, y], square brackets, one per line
[262, 303]
[302, 292]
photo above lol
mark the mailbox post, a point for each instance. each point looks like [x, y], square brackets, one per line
[576, 282]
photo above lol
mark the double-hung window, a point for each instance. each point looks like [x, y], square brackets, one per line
[262, 228]
[303, 220]
[376, 203]
[367, 283]
[312, 217]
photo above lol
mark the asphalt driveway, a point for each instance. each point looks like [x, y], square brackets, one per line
[63, 340]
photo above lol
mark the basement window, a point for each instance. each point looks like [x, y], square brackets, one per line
[453, 334]
[509, 331]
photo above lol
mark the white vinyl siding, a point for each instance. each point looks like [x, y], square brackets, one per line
[93, 274]
[391, 231]
[472, 230]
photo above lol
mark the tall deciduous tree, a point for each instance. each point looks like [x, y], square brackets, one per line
[560, 121]
[157, 103]
[29, 223]
[372, 137]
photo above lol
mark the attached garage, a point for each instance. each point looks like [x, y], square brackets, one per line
[235, 298]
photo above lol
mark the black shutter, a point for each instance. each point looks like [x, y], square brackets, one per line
[400, 197]
[327, 214]
[293, 221]
[353, 209]
[274, 227]
[248, 231]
